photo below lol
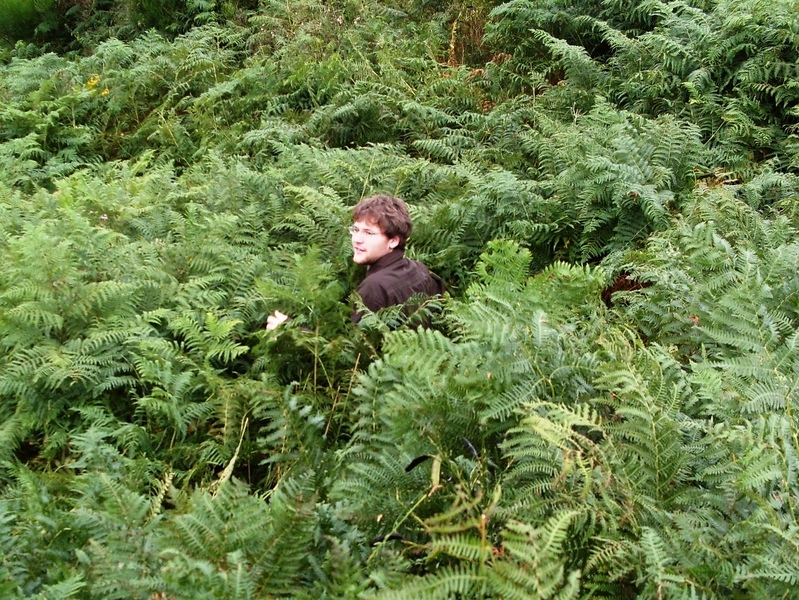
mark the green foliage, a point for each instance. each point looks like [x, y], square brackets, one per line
[602, 407]
[22, 19]
[728, 67]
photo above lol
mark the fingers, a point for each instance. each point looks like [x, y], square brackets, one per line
[274, 321]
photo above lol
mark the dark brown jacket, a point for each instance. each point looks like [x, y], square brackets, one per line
[393, 279]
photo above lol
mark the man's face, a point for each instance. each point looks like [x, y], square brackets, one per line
[369, 243]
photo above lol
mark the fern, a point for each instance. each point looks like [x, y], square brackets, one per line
[603, 407]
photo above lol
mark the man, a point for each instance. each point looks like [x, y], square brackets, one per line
[381, 225]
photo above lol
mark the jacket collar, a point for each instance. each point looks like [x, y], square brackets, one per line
[385, 260]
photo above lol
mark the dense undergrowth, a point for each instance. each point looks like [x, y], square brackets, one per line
[604, 405]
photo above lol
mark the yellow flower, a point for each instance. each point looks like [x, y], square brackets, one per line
[104, 92]
[93, 81]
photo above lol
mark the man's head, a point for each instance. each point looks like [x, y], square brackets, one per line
[381, 224]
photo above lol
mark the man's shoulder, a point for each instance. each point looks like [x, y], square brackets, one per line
[433, 284]
[395, 281]
[403, 277]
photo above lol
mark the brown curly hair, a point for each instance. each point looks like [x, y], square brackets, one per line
[390, 213]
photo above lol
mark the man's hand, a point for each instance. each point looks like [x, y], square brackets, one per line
[273, 321]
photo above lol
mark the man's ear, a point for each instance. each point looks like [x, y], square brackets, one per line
[393, 242]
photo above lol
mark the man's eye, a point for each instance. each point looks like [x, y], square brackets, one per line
[356, 231]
